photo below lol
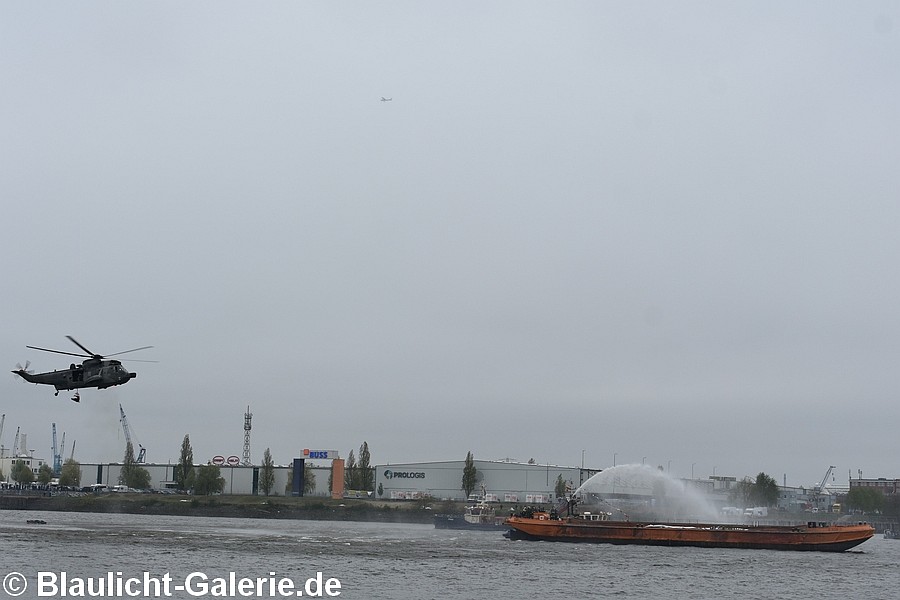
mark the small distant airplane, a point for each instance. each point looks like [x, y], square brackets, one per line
[383, 99]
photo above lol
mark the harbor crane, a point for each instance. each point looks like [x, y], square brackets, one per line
[819, 490]
[15, 450]
[821, 487]
[57, 454]
[142, 452]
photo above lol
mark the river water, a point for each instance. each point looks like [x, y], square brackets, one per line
[400, 561]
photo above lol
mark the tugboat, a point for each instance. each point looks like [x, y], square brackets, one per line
[599, 528]
[479, 515]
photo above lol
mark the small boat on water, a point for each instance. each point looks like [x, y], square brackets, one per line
[598, 528]
[479, 515]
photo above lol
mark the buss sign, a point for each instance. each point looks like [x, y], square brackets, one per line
[321, 454]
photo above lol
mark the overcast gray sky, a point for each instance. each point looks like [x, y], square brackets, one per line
[662, 232]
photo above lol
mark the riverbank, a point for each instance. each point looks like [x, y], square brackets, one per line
[310, 508]
[259, 507]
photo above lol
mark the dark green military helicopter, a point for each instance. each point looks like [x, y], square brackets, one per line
[95, 372]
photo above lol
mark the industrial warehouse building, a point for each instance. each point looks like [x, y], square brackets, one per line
[503, 481]
[238, 479]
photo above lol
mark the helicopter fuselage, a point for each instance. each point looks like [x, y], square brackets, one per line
[91, 373]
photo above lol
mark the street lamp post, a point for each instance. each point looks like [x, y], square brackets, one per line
[615, 454]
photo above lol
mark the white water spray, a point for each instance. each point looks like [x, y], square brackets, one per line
[640, 492]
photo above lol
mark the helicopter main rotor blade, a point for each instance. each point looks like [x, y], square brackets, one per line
[127, 351]
[58, 351]
[74, 341]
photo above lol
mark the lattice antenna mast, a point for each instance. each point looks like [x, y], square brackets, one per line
[248, 416]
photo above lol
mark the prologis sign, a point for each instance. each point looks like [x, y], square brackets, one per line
[388, 474]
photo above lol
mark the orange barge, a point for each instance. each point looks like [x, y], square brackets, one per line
[594, 528]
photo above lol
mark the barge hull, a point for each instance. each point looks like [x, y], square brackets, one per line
[803, 538]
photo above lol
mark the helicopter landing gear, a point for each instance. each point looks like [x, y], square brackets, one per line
[57, 393]
[76, 397]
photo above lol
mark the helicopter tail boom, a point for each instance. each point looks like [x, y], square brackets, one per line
[26, 375]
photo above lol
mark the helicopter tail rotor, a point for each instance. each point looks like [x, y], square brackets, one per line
[19, 367]
[24, 372]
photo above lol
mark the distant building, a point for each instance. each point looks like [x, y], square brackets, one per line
[7, 462]
[504, 481]
[21, 454]
[885, 486]
[239, 479]
[722, 483]
[806, 499]
[509, 482]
